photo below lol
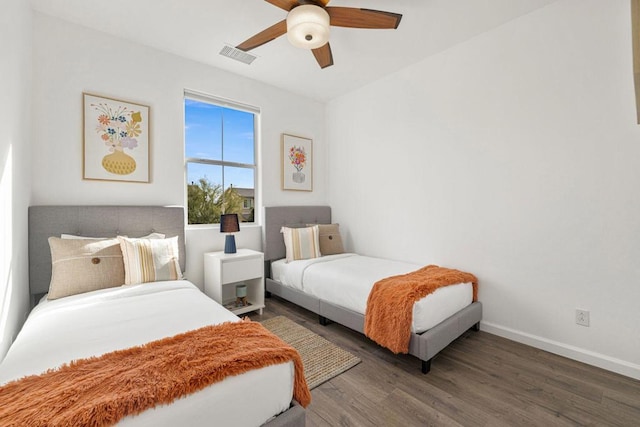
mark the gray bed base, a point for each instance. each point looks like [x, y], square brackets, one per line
[424, 346]
[295, 416]
[110, 221]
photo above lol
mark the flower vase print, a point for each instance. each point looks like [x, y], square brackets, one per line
[118, 129]
[116, 140]
[297, 157]
[296, 163]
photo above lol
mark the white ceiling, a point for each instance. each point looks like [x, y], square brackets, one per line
[198, 29]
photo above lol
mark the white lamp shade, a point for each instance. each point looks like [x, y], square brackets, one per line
[308, 26]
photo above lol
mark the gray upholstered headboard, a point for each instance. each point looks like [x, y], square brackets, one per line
[275, 217]
[95, 221]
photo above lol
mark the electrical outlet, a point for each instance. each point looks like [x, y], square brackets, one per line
[582, 317]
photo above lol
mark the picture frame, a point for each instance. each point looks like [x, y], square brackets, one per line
[297, 163]
[116, 140]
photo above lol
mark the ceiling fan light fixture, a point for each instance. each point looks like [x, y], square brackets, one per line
[308, 26]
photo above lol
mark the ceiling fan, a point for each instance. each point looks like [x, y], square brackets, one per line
[307, 25]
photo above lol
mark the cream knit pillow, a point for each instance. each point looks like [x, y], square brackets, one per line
[83, 265]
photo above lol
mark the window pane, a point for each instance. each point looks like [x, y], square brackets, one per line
[196, 171]
[240, 192]
[238, 136]
[216, 136]
[238, 177]
[203, 130]
[204, 191]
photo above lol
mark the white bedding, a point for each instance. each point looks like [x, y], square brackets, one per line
[346, 280]
[98, 322]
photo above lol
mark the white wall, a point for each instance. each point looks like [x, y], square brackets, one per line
[70, 59]
[15, 167]
[515, 156]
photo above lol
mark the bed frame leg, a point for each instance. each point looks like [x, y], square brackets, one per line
[323, 320]
[476, 327]
[426, 366]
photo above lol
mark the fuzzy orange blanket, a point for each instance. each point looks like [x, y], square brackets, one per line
[390, 303]
[102, 390]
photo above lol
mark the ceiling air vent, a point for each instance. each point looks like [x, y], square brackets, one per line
[237, 54]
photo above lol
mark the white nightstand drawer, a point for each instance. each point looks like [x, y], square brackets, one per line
[236, 271]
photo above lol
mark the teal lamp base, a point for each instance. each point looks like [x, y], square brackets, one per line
[230, 244]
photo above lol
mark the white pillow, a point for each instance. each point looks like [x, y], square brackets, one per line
[153, 236]
[73, 236]
[150, 260]
[301, 243]
[148, 236]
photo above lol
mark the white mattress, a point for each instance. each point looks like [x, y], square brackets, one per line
[98, 322]
[346, 280]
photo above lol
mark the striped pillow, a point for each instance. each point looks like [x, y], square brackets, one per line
[150, 260]
[301, 243]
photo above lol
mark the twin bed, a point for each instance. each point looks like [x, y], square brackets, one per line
[336, 287]
[93, 323]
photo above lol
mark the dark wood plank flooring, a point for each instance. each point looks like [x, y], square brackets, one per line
[479, 380]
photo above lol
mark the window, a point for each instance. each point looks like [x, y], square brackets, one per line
[220, 152]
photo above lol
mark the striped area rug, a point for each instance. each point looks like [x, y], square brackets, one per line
[322, 359]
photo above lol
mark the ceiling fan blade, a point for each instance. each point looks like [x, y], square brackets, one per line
[352, 17]
[323, 56]
[265, 36]
[284, 4]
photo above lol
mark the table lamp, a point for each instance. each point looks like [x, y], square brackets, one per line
[229, 224]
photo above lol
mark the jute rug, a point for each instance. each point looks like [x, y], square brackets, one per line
[322, 359]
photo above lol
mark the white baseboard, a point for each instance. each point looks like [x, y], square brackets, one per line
[580, 354]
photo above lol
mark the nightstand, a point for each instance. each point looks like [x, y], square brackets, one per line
[223, 272]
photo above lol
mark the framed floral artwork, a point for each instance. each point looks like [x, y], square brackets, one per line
[116, 140]
[297, 163]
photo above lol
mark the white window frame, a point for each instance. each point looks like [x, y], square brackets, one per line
[225, 103]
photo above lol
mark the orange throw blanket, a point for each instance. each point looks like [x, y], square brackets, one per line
[390, 305]
[102, 390]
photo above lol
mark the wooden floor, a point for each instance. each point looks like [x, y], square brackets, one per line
[479, 380]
